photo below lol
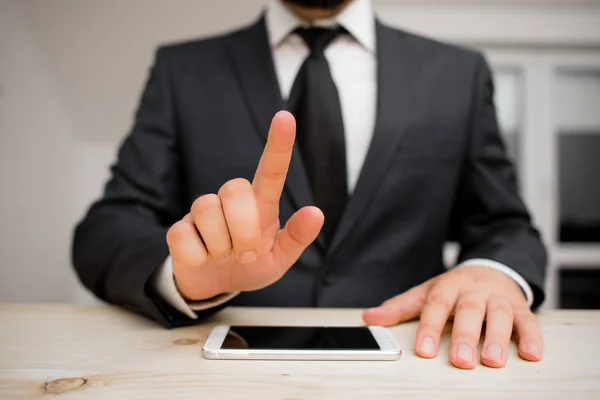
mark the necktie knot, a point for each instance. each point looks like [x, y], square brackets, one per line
[318, 38]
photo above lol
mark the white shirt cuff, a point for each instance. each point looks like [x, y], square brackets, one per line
[484, 262]
[164, 284]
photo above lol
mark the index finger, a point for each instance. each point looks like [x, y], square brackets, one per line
[273, 166]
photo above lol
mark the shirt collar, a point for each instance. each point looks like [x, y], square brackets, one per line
[358, 18]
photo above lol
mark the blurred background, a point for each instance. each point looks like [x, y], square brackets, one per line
[71, 72]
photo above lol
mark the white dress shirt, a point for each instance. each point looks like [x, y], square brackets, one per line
[353, 63]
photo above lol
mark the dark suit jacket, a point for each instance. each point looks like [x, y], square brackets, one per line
[436, 171]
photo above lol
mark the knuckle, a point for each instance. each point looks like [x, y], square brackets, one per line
[528, 323]
[271, 201]
[500, 304]
[524, 315]
[188, 255]
[219, 254]
[465, 336]
[464, 273]
[294, 235]
[274, 174]
[235, 187]
[206, 202]
[431, 327]
[177, 232]
[217, 243]
[245, 235]
[471, 306]
[439, 301]
[247, 239]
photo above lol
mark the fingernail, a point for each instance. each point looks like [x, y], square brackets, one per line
[464, 353]
[532, 348]
[427, 346]
[494, 350]
[248, 257]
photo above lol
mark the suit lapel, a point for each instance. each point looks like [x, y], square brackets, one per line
[395, 72]
[255, 71]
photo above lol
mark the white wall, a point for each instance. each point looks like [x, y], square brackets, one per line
[37, 148]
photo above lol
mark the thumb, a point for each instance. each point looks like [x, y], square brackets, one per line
[300, 231]
[403, 307]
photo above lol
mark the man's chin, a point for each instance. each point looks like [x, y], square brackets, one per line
[325, 5]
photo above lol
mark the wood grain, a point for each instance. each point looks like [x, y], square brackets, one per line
[101, 352]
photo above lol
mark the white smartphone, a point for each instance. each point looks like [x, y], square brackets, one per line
[300, 343]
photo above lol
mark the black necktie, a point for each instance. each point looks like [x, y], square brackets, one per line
[315, 103]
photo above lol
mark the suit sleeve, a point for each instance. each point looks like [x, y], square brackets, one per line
[490, 221]
[121, 242]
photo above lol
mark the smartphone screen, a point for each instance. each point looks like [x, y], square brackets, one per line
[300, 338]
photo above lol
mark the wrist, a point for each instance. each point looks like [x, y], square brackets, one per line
[198, 288]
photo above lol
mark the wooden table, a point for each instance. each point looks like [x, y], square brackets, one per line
[100, 352]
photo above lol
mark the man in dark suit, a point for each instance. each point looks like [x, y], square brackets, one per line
[397, 152]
